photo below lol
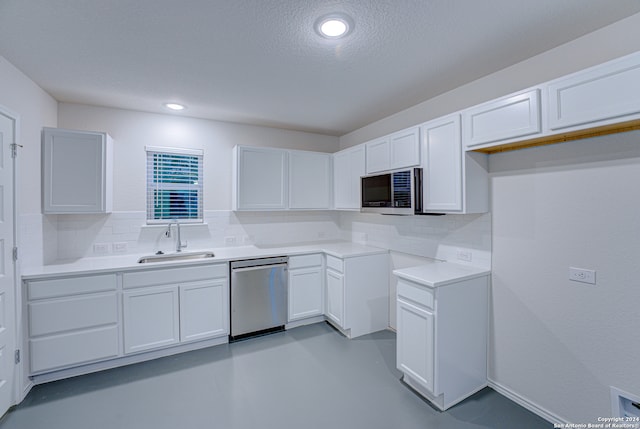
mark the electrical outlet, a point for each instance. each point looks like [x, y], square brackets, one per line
[229, 241]
[101, 248]
[582, 275]
[464, 255]
[120, 247]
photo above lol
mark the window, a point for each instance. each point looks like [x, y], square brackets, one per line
[174, 185]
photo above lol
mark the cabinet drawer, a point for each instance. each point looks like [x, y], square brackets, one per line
[334, 263]
[59, 351]
[47, 317]
[39, 289]
[303, 261]
[420, 295]
[155, 277]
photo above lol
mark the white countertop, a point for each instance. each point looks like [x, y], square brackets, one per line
[340, 249]
[439, 274]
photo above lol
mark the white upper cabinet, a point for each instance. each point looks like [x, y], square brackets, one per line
[507, 118]
[397, 150]
[260, 178]
[597, 96]
[310, 177]
[77, 171]
[348, 167]
[453, 181]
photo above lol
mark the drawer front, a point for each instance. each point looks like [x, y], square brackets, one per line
[304, 261]
[39, 289]
[161, 276]
[47, 317]
[53, 352]
[416, 293]
[335, 264]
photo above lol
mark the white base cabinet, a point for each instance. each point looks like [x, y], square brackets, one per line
[306, 287]
[71, 321]
[79, 324]
[442, 338]
[358, 293]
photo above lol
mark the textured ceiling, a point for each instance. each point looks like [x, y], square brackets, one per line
[261, 62]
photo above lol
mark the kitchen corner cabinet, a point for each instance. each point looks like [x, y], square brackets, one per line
[501, 120]
[357, 291]
[442, 338]
[453, 181]
[164, 307]
[71, 321]
[596, 96]
[348, 167]
[77, 171]
[260, 178]
[397, 150]
[306, 287]
[310, 177]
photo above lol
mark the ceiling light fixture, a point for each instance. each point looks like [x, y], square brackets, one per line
[174, 106]
[334, 26]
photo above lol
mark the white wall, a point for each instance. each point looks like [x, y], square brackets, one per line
[560, 343]
[557, 345]
[36, 109]
[132, 131]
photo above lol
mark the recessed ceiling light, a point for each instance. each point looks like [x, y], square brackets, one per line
[174, 106]
[334, 26]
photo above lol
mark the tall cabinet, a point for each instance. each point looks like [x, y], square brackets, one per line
[77, 171]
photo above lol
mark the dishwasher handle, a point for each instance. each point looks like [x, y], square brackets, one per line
[258, 267]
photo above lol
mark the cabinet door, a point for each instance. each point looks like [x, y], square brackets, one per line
[415, 343]
[204, 310]
[261, 179]
[335, 297]
[405, 148]
[348, 167]
[305, 293]
[75, 172]
[442, 171]
[151, 318]
[378, 155]
[600, 93]
[309, 180]
[506, 118]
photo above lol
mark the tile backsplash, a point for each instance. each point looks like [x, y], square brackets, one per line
[49, 238]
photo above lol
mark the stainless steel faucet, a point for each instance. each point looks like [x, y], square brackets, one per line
[167, 233]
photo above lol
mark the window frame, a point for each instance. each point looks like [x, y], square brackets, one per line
[152, 185]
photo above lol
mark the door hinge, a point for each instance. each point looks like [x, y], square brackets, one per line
[15, 254]
[14, 149]
[17, 357]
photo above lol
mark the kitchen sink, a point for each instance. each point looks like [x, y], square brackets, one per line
[182, 256]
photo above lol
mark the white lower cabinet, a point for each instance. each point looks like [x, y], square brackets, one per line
[358, 293]
[151, 318]
[306, 287]
[165, 307]
[71, 321]
[77, 323]
[442, 338]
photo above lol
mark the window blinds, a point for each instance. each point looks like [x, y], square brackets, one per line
[174, 185]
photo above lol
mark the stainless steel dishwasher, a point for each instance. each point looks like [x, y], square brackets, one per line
[258, 296]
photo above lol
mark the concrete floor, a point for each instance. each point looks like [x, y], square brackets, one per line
[309, 377]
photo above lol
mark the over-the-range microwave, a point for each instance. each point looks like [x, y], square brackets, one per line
[397, 192]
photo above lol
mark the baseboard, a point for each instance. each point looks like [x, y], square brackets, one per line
[526, 403]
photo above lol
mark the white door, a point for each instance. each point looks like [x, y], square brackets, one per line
[7, 274]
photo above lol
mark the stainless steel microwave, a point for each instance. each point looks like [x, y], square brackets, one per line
[396, 192]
